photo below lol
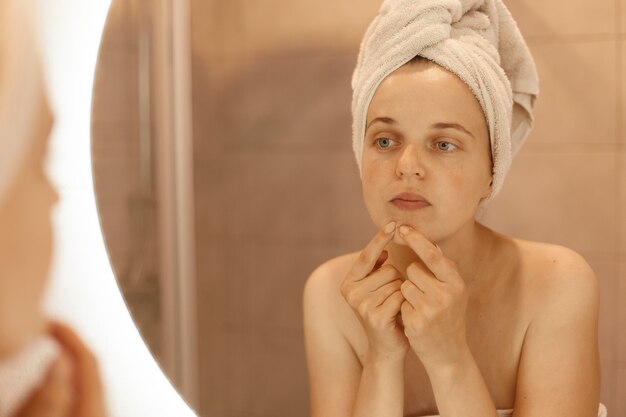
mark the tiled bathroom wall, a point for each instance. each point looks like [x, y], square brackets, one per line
[277, 185]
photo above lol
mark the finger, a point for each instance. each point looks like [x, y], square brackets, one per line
[381, 260]
[392, 304]
[430, 254]
[406, 309]
[413, 294]
[370, 254]
[381, 294]
[88, 383]
[356, 291]
[423, 278]
[69, 339]
[379, 278]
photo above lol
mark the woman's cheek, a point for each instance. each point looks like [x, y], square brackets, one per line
[465, 190]
[374, 197]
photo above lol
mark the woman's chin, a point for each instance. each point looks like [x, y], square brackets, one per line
[398, 240]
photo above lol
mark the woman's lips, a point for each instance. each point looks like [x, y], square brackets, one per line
[409, 200]
[409, 205]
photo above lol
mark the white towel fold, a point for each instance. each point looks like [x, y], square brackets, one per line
[477, 40]
[22, 373]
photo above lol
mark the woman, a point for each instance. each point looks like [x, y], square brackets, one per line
[45, 369]
[439, 314]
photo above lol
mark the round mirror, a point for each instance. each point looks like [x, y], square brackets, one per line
[224, 175]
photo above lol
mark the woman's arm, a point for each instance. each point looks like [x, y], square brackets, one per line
[559, 372]
[460, 389]
[339, 386]
[381, 390]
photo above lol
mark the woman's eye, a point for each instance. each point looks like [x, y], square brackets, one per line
[447, 146]
[383, 143]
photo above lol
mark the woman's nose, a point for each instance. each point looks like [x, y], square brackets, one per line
[410, 163]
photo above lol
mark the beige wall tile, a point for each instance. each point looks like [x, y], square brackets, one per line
[225, 365]
[566, 197]
[621, 313]
[291, 24]
[216, 30]
[620, 388]
[122, 24]
[276, 382]
[217, 290]
[622, 6]
[610, 394]
[620, 407]
[577, 93]
[116, 100]
[294, 102]
[277, 198]
[244, 28]
[272, 279]
[351, 221]
[548, 18]
[210, 208]
[211, 266]
[621, 192]
[280, 197]
[253, 371]
[622, 77]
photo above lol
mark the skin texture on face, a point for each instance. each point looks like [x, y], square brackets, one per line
[451, 168]
[26, 241]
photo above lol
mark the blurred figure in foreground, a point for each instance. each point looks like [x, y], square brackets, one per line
[45, 368]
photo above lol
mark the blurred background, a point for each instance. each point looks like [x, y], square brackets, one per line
[274, 178]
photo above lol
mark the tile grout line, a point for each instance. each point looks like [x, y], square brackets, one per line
[619, 64]
[619, 127]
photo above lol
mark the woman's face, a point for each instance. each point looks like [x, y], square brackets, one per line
[26, 238]
[426, 134]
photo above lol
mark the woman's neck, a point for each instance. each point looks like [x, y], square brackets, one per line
[469, 249]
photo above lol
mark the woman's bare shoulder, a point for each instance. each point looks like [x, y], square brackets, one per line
[322, 298]
[552, 259]
[555, 270]
[329, 275]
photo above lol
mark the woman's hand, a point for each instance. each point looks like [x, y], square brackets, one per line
[72, 387]
[374, 294]
[55, 396]
[89, 400]
[435, 304]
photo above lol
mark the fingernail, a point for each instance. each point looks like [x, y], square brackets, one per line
[404, 229]
[439, 248]
[390, 227]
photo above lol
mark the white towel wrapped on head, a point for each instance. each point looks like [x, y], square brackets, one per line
[477, 40]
